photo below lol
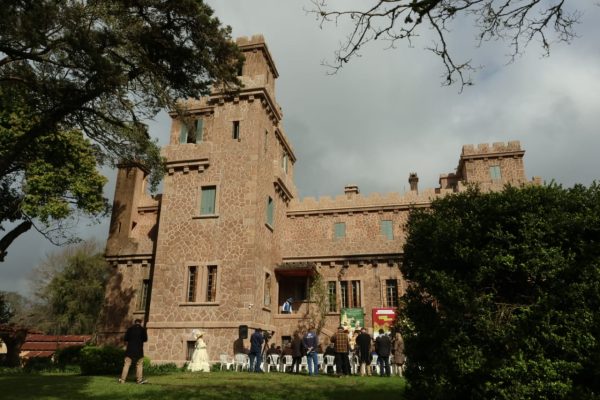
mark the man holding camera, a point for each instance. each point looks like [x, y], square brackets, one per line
[256, 341]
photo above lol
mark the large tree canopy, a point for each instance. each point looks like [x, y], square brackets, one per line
[77, 79]
[517, 21]
[504, 295]
[68, 290]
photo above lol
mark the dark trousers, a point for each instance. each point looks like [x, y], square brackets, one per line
[342, 363]
[384, 363]
[296, 364]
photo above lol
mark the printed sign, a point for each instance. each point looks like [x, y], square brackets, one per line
[352, 318]
[383, 318]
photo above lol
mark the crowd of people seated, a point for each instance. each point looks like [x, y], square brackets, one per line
[356, 353]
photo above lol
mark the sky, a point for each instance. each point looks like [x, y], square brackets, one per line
[386, 113]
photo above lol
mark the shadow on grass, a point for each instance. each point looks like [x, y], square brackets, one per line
[217, 386]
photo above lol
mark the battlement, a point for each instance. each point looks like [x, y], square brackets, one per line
[358, 203]
[486, 148]
[257, 43]
[250, 40]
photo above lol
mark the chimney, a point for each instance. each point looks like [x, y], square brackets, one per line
[351, 191]
[413, 180]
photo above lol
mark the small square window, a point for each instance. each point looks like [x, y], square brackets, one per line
[495, 173]
[387, 229]
[339, 230]
[191, 132]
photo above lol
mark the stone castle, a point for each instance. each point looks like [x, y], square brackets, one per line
[228, 240]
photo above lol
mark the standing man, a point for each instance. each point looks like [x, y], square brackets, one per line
[256, 341]
[311, 342]
[383, 346]
[363, 345]
[135, 337]
[341, 346]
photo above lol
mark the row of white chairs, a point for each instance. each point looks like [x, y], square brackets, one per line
[241, 362]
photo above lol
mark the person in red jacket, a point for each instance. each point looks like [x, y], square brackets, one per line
[135, 337]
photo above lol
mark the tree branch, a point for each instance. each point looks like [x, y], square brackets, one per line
[6, 241]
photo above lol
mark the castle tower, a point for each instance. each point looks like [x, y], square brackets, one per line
[492, 166]
[228, 183]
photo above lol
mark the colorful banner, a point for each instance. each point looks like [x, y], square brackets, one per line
[352, 319]
[383, 318]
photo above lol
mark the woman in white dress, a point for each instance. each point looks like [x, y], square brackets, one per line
[199, 361]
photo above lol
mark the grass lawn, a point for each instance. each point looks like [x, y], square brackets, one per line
[215, 385]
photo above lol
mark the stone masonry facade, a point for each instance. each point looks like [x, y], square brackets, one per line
[228, 240]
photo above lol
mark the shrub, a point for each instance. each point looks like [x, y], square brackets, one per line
[101, 360]
[37, 364]
[504, 295]
[67, 356]
[157, 369]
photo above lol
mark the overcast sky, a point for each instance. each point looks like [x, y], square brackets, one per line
[386, 114]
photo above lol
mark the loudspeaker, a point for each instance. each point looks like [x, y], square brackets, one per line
[243, 331]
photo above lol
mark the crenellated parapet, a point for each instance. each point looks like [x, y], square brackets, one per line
[357, 203]
[483, 149]
[257, 43]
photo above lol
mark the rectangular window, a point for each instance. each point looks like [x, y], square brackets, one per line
[332, 296]
[350, 293]
[211, 283]
[339, 230]
[391, 293]
[207, 201]
[355, 293]
[284, 162]
[143, 295]
[199, 130]
[183, 133]
[270, 210]
[267, 291]
[387, 229]
[495, 173]
[191, 133]
[192, 281]
[266, 141]
[344, 294]
[236, 130]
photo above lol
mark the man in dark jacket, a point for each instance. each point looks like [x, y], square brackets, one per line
[297, 352]
[383, 346]
[256, 341]
[363, 344]
[135, 337]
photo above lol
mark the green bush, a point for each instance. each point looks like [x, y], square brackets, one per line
[101, 360]
[504, 295]
[38, 364]
[67, 356]
[156, 369]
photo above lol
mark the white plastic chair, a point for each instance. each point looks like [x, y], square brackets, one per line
[374, 365]
[241, 360]
[286, 362]
[225, 362]
[304, 364]
[320, 361]
[354, 364]
[329, 362]
[272, 361]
